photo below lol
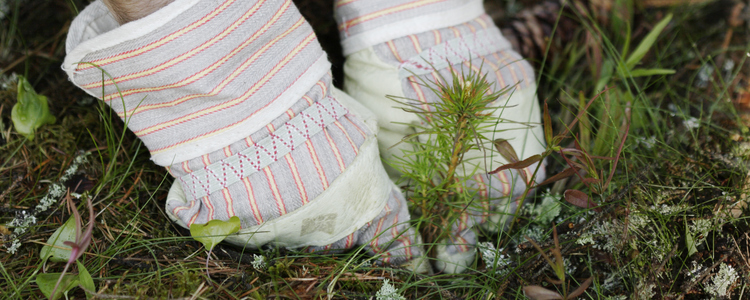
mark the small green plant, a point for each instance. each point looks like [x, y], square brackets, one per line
[31, 110]
[213, 232]
[280, 268]
[617, 68]
[438, 176]
[580, 163]
[618, 71]
[388, 292]
[60, 248]
[622, 106]
[55, 285]
[558, 266]
[436, 171]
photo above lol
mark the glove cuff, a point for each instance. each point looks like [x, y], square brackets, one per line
[196, 76]
[366, 23]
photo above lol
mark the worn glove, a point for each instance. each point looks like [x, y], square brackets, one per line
[234, 98]
[393, 47]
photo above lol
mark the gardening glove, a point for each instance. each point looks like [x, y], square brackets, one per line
[234, 99]
[401, 48]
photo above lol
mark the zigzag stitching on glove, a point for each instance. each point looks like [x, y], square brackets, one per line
[215, 177]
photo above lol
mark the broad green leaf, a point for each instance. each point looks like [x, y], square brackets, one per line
[31, 110]
[647, 42]
[84, 277]
[650, 72]
[215, 231]
[47, 281]
[690, 243]
[57, 251]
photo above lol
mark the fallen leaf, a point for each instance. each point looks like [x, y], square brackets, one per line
[564, 174]
[506, 150]
[579, 199]
[519, 164]
[4, 230]
[579, 291]
[735, 16]
[536, 292]
[742, 102]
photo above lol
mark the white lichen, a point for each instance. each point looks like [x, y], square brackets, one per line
[547, 209]
[700, 229]
[259, 262]
[672, 108]
[704, 75]
[612, 236]
[612, 282]
[638, 221]
[691, 123]
[55, 191]
[534, 232]
[14, 246]
[388, 292]
[494, 258]
[721, 282]
[569, 266]
[658, 248]
[645, 289]
[7, 81]
[4, 8]
[666, 210]
[24, 220]
[647, 143]
[728, 66]
[586, 238]
[607, 236]
[695, 270]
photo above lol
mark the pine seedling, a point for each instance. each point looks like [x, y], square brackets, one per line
[437, 172]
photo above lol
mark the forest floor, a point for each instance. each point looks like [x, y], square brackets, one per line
[671, 224]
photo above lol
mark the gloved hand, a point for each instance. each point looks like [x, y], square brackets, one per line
[394, 47]
[234, 99]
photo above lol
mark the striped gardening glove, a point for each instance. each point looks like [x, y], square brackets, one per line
[395, 47]
[234, 99]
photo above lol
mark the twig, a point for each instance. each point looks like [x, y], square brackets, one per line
[689, 286]
[12, 186]
[747, 263]
[664, 262]
[130, 190]
[198, 291]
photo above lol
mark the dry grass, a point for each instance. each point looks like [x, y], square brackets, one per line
[674, 179]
